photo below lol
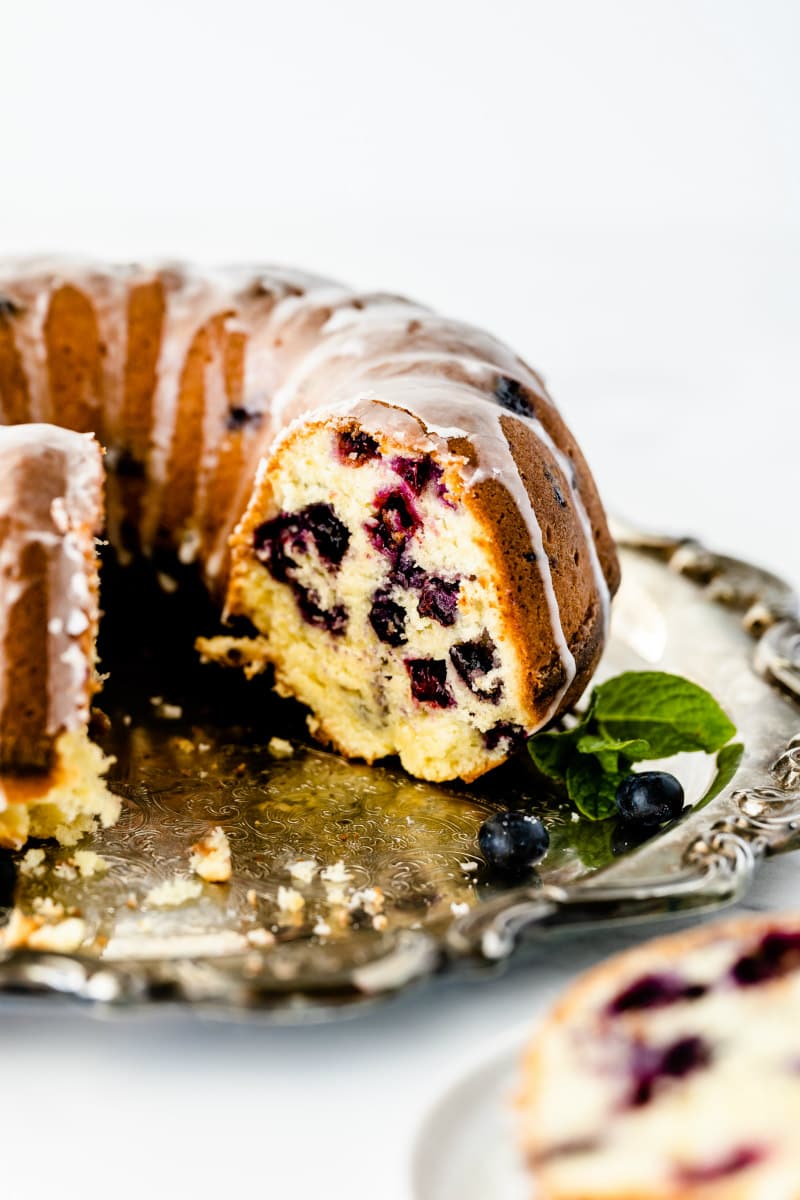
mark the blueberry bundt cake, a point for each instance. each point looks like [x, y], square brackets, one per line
[389, 497]
[51, 506]
[672, 1072]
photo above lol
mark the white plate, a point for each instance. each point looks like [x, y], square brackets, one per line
[466, 1149]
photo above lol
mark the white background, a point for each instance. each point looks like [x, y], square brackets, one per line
[614, 188]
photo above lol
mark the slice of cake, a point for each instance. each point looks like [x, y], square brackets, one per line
[51, 507]
[672, 1072]
[402, 578]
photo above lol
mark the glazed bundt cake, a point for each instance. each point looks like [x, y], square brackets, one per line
[51, 507]
[389, 497]
[671, 1072]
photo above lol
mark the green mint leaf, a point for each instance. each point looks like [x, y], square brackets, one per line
[728, 762]
[634, 749]
[551, 752]
[592, 842]
[591, 789]
[669, 712]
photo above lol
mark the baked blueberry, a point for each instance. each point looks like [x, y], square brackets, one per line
[393, 524]
[429, 681]
[473, 661]
[776, 954]
[240, 418]
[416, 472]
[334, 620]
[655, 991]
[513, 396]
[652, 1065]
[330, 534]
[513, 841]
[649, 798]
[388, 619]
[438, 599]
[274, 540]
[356, 447]
[504, 734]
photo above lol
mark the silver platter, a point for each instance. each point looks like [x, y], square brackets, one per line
[723, 622]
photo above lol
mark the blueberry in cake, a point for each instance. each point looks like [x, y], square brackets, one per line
[672, 1072]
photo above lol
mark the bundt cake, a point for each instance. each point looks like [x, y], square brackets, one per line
[671, 1072]
[390, 498]
[51, 507]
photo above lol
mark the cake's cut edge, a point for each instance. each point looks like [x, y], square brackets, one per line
[67, 802]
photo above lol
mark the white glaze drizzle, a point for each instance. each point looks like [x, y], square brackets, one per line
[61, 525]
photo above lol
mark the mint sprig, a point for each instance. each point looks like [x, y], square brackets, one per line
[633, 717]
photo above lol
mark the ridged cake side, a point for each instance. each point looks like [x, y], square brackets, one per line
[51, 506]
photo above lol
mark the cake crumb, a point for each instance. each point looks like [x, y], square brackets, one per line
[368, 900]
[338, 873]
[252, 897]
[279, 747]
[184, 744]
[131, 901]
[167, 583]
[17, 930]
[459, 909]
[169, 712]
[127, 719]
[46, 930]
[260, 938]
[64, 937]
[47, 908]
[290, 900]
[32, 863]
[336, 895]
[89, 863]
[173, 892]
[468, 867]
[379, 922]
[211, 856]
[66, 871]
[304, 869]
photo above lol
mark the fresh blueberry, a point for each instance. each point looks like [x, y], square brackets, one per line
[649, 798]
[513, 841]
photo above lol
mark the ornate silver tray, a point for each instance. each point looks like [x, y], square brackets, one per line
[188, 760]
